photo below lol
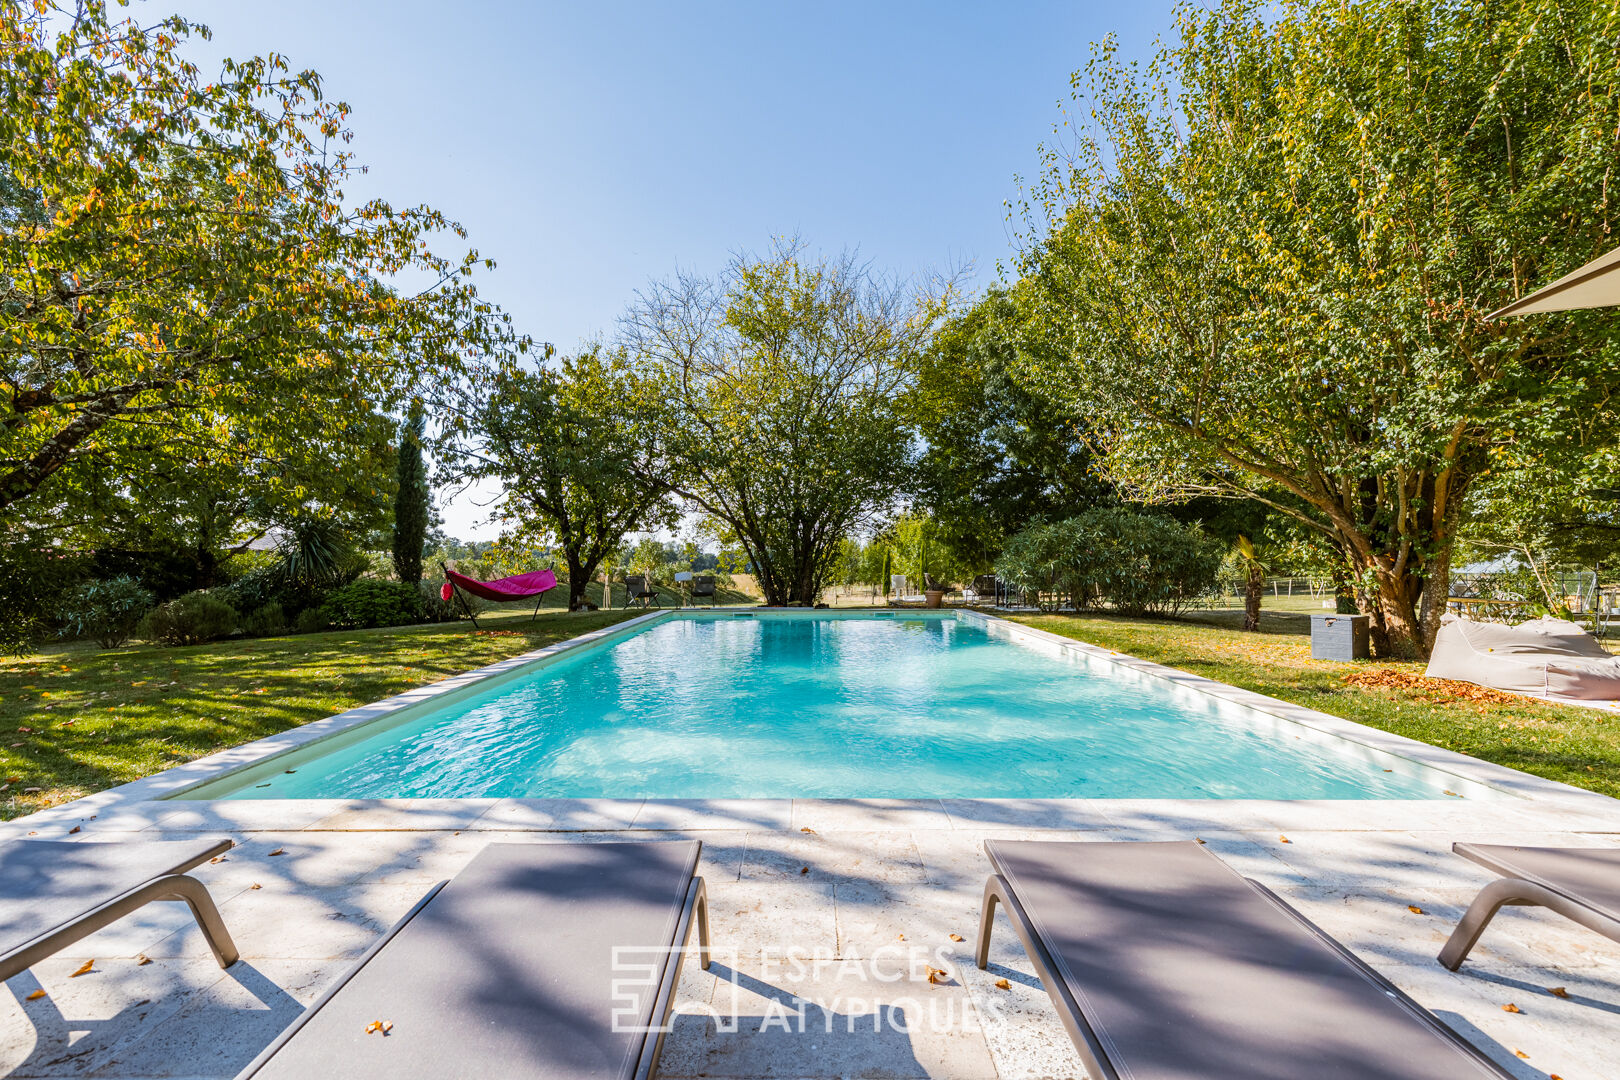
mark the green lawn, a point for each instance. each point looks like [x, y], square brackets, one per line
[1577, 746]
[76, 720]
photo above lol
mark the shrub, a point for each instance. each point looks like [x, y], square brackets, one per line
[434, 607]
[266, 621]
[371, 602]
[1141, 563]
[311, 621]
[190, 620]
[106, 610]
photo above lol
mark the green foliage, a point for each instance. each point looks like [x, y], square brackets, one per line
[1263, 266]
[998, 456]
[311, 621]
[1140, 563]
[413, 499]
[919, 546]
[106, 610]
[267, 620]
[372, 602]
[580, 450]
[792, 383]
[192, 619]
[190, 304]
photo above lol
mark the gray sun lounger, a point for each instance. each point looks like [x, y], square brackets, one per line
[1581, 884]
[1164, 962]
[56, 892]
[510, 970]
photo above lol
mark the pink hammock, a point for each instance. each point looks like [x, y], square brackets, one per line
[536, 583]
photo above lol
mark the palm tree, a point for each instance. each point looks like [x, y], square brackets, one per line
[1253, 583]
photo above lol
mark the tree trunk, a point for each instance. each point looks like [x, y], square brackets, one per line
[579, 576]
[1252, 589]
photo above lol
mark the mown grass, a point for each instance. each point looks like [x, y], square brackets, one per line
[1574, 745]
[76, 720]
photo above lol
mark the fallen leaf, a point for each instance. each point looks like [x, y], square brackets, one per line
[217, 859]
[1510, 1007]
[255, 885]
[957, 937]
[1003, 984]
[35, 996]
[804, 869]
[899, 937]
[1558, 991]
[379, 1027]
[1414, 909]
[142, 960]
[1454, 794]
[1200, 839]
[67, 723]
[279, 851]
[1520, 1053]
[1285, 839]
[938, 976]
[75, 829]
[808, 829]
[85, 970]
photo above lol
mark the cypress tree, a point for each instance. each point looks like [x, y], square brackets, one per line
[411, 503]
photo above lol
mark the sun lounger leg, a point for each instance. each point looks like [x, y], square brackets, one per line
[1516, 891]
[987, 921]
[195, 896]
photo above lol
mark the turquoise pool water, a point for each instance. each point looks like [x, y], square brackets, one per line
[719, 706]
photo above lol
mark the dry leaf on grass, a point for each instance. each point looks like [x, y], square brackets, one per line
[1436, 691]
[1510, 1007]
[35, 996]
[89, 965]
[1003, 984]
[1558, 991]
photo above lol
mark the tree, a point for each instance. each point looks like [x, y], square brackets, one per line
[1266, 263]
[413, 503]
[792, 379]
[998, 456]
[181, 275]
[580, 450]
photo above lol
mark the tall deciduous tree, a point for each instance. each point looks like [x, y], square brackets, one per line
[413, 498]
[1269, 259]
[194, 275]
[998, 457]
[580, 449]
[793, 380]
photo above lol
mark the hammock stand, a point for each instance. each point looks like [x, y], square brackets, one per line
[536, 583]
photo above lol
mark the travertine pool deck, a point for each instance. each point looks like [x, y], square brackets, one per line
[825, 915]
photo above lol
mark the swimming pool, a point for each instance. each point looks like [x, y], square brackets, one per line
[833, 705]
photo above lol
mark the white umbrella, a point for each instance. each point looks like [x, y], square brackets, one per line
[1595, 285]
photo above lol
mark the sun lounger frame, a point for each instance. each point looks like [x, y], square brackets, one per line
[1511, 890]
[1092, 1048]
[180, 887]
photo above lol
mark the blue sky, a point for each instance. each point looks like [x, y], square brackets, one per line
[590, 147]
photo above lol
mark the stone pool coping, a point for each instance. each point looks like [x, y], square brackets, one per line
[154, 797]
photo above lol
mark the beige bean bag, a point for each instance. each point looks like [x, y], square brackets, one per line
[1547, 657]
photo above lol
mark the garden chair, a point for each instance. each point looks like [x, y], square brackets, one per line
[640, 587]
[56, 892]
[1581, 884]
[1163, 961]
[537, 961]
[703, 586]
[983, 588]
